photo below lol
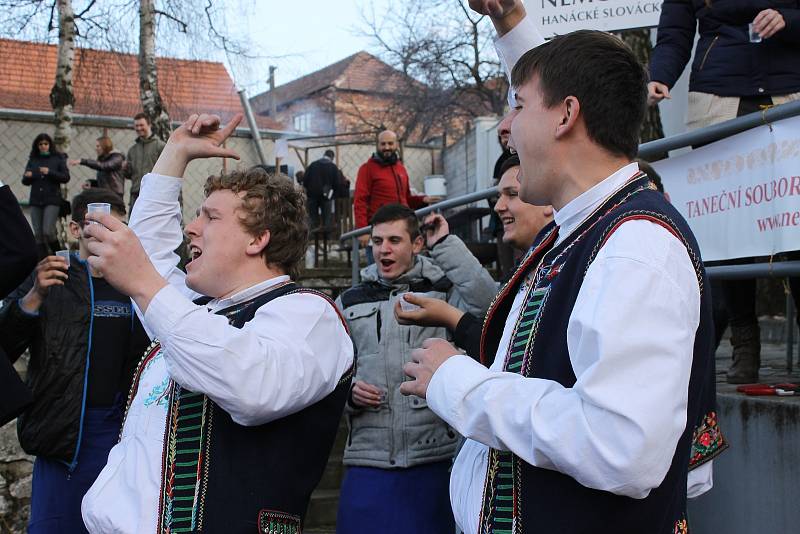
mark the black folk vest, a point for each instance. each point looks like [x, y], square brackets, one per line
[519, 497]
[219, 476]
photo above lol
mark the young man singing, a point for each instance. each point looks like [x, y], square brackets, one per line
[599, 347]
[234, 409]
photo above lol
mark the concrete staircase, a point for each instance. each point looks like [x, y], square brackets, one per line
[321, 514]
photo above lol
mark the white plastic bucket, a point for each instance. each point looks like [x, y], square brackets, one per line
[435, 185]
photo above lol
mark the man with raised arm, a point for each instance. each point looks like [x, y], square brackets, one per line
[234, 408]
[599, 347]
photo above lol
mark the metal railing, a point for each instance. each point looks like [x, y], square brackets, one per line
[700, 136]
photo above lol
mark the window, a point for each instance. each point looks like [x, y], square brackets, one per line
[302, 122]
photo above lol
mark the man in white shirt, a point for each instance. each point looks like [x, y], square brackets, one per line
[234, 408]
[599, 348]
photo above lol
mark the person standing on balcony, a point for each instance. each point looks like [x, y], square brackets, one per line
[732, 75]
[382, 180]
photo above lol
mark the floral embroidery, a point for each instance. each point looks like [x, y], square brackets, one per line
[681, 527]
[158, 395]
[707, 441]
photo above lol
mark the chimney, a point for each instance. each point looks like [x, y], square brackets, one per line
[273, 105]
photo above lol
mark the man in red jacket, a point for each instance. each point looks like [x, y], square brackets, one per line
[383, 180]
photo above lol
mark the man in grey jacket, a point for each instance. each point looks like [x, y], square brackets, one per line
[399, 452]
[142, 156]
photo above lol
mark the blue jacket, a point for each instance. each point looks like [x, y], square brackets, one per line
[726, 63]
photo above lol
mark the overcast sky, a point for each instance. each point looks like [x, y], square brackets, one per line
[309, 33]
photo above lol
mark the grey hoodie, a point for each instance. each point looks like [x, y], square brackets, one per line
[402, 431]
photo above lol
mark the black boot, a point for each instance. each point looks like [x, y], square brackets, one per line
[746, 341]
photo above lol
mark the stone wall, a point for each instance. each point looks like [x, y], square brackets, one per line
[15, 482]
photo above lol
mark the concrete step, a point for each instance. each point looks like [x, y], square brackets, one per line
[322, 509]
[324, 503]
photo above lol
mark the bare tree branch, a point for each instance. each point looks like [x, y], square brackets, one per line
[183, 27]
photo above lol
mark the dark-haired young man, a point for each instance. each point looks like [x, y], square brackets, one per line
[600, 345]
[235, 407]
[399, 452]
[84, 342]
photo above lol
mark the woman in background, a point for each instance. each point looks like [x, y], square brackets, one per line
[108, 165]
[45, 172]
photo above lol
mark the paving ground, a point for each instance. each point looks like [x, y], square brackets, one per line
[774, 368]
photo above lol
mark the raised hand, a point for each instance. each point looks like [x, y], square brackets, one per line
[493, 8]
[436, 228]
[505, 14]
[199, 137]
[50, 272]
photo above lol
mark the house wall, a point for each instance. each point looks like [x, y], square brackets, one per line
[321, 119]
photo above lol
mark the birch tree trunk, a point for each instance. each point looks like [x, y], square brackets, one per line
[62, 97]
[152, 104]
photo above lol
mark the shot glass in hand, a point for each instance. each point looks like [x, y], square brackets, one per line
[407, 306]
[755, 37]
[98, 207]
[64, 254]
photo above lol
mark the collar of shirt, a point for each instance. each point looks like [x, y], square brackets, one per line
[579, 208]
[246, 294]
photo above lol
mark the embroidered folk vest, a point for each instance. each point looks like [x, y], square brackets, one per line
[219, 476]
[519, 497]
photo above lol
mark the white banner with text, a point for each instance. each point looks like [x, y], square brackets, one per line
[557, 17]
[740, 195]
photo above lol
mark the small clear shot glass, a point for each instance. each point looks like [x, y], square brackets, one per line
[98, 207]
[407, 306]
[755, 37]
[63, 254]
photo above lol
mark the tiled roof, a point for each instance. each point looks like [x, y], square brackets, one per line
[107, 83]
[360, 72]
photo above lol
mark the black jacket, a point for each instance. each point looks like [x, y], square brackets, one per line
[45, 188]
[17, 260]
[59, 343]
[109, 171]
[321, 177]
[726, 63]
